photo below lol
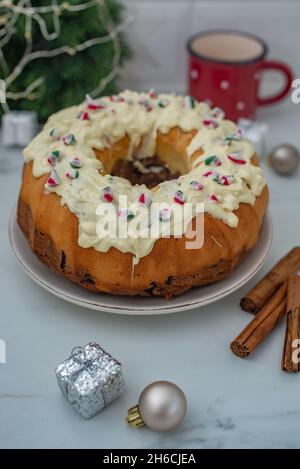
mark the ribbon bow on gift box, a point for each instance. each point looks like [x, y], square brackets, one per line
[85, 362]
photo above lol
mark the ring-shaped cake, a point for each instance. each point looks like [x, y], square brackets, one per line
[182, 152]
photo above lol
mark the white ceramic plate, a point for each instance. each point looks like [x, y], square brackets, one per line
[193, 298]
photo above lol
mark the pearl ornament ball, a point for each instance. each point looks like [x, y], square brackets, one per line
[284, 159]
[161, 406]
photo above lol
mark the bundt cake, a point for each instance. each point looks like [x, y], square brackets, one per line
[164, 151]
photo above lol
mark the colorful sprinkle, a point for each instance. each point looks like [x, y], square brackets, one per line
[226, 180]
[233, 137]
[164, 214]
[107, 194]
[75, 163]
[197, 185]
[189, 102]
[145, 102]
[152, 94]
[145, 199]
[210, 123]
[212, 161]
[93, 105]
[163, 103]
[179, 197]
[84, 116]
[219, 178]
[126, 214]
[53, 180]
[115, 98]
[69, 139]
[213, 198]
[212, 175]
[218, 113]
[234, 157]
[54, 158]
[72, 173]
[54, 133]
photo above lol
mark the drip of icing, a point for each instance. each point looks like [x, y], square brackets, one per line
[140, 116]
[134, 262]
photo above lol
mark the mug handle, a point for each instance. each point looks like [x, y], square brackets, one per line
[288, 74]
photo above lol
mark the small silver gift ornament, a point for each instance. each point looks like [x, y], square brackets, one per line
[256, 132]
[90, 379]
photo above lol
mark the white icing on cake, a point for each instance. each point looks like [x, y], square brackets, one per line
[140, 116]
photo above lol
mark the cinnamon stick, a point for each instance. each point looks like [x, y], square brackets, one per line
[291, 349]
[261, 324]
[260, 294]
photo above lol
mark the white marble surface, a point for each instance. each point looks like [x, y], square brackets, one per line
[232, 403]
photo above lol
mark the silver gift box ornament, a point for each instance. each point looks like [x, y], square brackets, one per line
[90, 379]
[19, 128]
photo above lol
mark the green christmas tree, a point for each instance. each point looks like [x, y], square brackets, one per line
[52, 53]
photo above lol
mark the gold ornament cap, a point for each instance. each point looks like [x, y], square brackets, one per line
[133, 417]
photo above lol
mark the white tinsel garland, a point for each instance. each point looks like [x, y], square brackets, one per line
[31, 14]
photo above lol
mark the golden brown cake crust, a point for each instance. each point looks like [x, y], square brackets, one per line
[170, 269]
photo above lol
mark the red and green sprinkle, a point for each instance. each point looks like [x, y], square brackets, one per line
[54, 158]
[84, 116]
[213, 198]
[179, 197]
[54, 133]
[235, 158]
[145, 199]
[212, 175]
[75, 163]
[212, 160]
[164, 214]
[189, 102]
[72, 173]
[152, 94]
[226, 180]
[107, 194]
[218, 113]
[53, 180]
[233, 137]
[126, 214]
[163, 103]
[197, 185]
[210, 123]
[69, 139]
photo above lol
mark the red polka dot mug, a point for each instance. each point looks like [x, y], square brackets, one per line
[225, 68]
